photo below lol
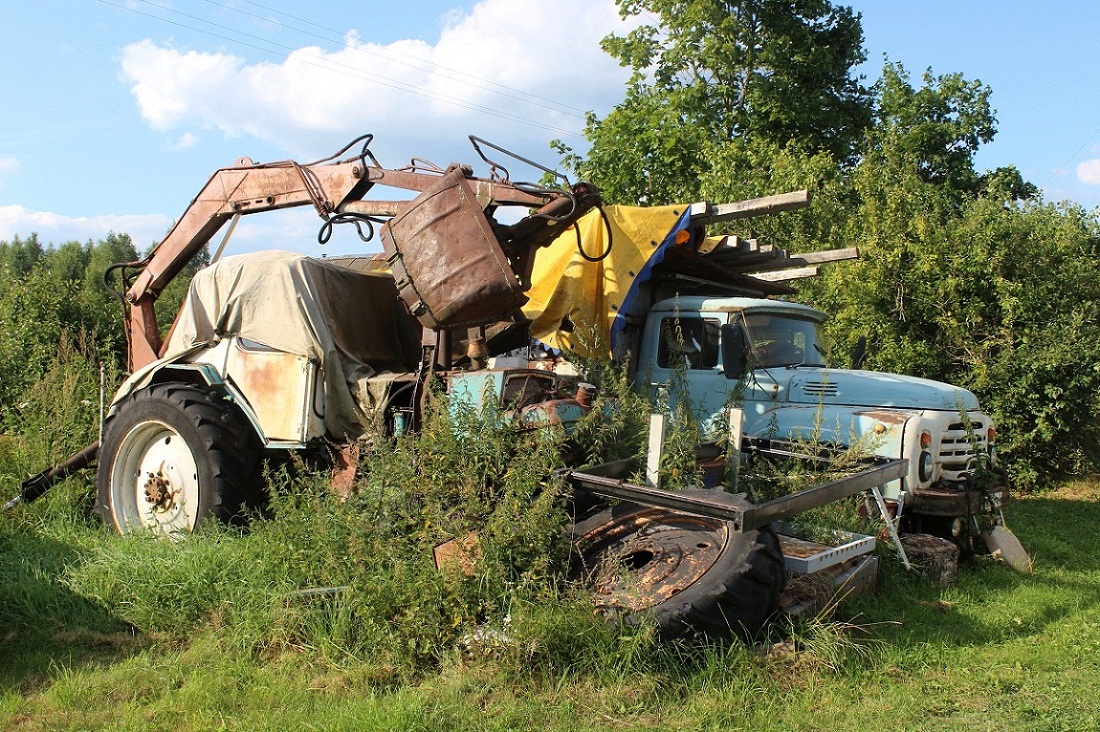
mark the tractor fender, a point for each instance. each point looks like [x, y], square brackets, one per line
[177, 369]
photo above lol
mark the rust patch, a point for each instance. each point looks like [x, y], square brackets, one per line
[344, 464]
[885, 416]
[275, 385]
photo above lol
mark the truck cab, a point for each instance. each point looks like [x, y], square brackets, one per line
[711, 352]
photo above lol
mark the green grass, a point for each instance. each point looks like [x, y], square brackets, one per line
[102, 632]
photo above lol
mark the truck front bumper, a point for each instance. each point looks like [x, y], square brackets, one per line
[960, 499]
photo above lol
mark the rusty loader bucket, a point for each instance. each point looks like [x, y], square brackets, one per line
[449, 266]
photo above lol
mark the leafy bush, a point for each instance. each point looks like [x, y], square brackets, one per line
[52, 297]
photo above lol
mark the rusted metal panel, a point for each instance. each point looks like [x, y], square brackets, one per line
[449, 266]
[279, 388]
[462, 553]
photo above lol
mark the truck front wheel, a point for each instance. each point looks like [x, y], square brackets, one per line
[174, 455]
[691, 575]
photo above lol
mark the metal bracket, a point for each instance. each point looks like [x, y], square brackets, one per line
[891, 527]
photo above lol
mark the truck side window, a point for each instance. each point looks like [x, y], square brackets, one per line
[693, 341]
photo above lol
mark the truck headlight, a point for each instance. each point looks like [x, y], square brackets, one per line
[924, 466]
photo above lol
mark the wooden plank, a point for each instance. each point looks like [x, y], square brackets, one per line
[782, 275]
[804, 260]
[829, 255]
[713, 213]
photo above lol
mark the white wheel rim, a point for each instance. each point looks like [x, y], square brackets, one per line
[154, 481]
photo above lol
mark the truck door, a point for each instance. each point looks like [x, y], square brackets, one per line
[687, 365]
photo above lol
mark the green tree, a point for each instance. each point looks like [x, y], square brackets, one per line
[1020, 325]
[914, 176]
[963, 279]
[50, 297]
[708, 72]
[19, 256]
[932, 131]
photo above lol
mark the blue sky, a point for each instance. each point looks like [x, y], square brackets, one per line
[113, 113]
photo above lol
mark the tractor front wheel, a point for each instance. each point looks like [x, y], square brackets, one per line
[174, 455]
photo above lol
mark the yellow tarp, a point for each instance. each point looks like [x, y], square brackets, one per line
[587, 296]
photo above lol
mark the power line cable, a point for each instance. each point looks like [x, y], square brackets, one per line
[1071, 157]
[336, 66]
[414, 63]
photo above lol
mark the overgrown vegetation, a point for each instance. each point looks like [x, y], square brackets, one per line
[334, 613]
[345, 580]
[102, 631]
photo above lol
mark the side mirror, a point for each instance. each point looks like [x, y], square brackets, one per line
[859, 353]
[733, 351]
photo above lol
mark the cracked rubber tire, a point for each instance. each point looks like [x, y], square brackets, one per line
[173, 456]
[693, 576]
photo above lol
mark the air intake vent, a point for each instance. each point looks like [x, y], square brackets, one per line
[820, 388]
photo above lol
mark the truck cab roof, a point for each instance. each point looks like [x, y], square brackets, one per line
[704, 303]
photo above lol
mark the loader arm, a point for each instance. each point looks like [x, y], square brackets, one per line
[332, 187]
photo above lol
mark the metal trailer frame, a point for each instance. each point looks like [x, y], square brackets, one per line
[608, 481]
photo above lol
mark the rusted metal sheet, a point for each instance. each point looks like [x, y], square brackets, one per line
[278, 386]
[345, 462]
[449, 267]
[462, 553]
[655, 555]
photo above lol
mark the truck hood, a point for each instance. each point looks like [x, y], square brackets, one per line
[811, 385]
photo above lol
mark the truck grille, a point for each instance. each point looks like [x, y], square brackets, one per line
[959, 446]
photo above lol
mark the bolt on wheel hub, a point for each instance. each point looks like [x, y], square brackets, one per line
[158, 491]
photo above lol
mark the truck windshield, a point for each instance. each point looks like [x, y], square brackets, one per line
[779, 339]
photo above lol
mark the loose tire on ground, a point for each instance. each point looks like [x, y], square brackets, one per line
[692, 575]
[174, 455]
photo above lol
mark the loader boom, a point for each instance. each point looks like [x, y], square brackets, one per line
[335, 188]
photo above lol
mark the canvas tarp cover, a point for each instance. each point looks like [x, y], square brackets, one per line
[352, 323]
[594, 296]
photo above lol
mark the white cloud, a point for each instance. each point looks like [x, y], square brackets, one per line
[511, 71]
[1088, 171]
[53, 228]
[8, 165]
[186, 140]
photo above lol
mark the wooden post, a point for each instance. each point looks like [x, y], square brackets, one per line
[737, 423]
[656, 448]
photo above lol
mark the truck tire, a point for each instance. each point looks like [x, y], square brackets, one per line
[693, 576]
[173, 456]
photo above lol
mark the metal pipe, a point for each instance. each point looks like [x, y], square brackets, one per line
[37, 485]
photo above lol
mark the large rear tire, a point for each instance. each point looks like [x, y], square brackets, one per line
[173, 456]
[691, 575]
